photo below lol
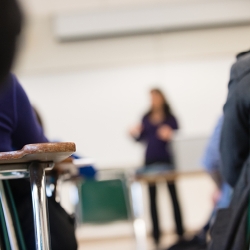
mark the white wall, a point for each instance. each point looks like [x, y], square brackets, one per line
[91, 92]
[46, 7]
[95, 108]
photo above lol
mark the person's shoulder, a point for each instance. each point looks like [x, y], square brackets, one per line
[145, 117]
[15, 91]
[242, 66]
[7, 86]
[243, 62]
[17, 86]
[243, 87]
[14, 81]
[172, 121]
[171, 117]
[239, 91]
[239, 83]
[11, 82]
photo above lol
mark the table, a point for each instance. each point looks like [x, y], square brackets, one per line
[169, 176]
[137, 198]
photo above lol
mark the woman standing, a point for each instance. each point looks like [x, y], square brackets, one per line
[156, 131]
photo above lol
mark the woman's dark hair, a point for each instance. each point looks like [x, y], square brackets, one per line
[10, 28]
[165, 105]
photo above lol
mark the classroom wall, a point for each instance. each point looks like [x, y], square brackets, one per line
[92, 92]
[96, 108]
[99, 92]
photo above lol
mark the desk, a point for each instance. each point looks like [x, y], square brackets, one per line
[32, 161]
[137, 197]
[169, 176]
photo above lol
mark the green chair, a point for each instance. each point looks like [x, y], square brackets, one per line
[113, 196]
[103, 201]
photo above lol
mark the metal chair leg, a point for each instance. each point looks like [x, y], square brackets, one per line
[39, 199]
[8, 219]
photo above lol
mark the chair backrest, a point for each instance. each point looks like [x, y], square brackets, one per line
[7, 206]
[4, 237]
[103, 201]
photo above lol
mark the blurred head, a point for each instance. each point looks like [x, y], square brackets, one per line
[10, 28]
[157, 99]
[159, 102]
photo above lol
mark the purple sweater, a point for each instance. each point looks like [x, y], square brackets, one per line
[157, 151]
[18, 127]
[18, 124]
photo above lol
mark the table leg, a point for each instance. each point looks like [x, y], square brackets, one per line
[40, 211]
[138, 221]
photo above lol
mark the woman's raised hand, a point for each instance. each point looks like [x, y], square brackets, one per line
[136, 130]
[165, 133]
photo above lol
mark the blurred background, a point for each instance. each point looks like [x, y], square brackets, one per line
[88, 66]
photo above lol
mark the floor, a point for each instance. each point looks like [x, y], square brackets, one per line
[125, 243]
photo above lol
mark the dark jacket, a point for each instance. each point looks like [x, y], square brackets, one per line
[229, 231]
[235, 137]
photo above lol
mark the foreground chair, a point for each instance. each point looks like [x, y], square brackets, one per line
[32, 161]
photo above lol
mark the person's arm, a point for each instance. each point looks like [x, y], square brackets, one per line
[27, 129]
[136, 131]
[235, 131]
[7, 114]
[211, 160]
[166, 131]
[139, 132]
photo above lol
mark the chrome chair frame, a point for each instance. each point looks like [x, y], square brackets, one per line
[32, 163]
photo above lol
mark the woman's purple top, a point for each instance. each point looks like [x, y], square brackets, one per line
[157, 150]
[18, 124]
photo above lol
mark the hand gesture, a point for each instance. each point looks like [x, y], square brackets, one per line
[136, 131]
[165, 133]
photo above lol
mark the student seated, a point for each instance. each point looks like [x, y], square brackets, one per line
[19, 126]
